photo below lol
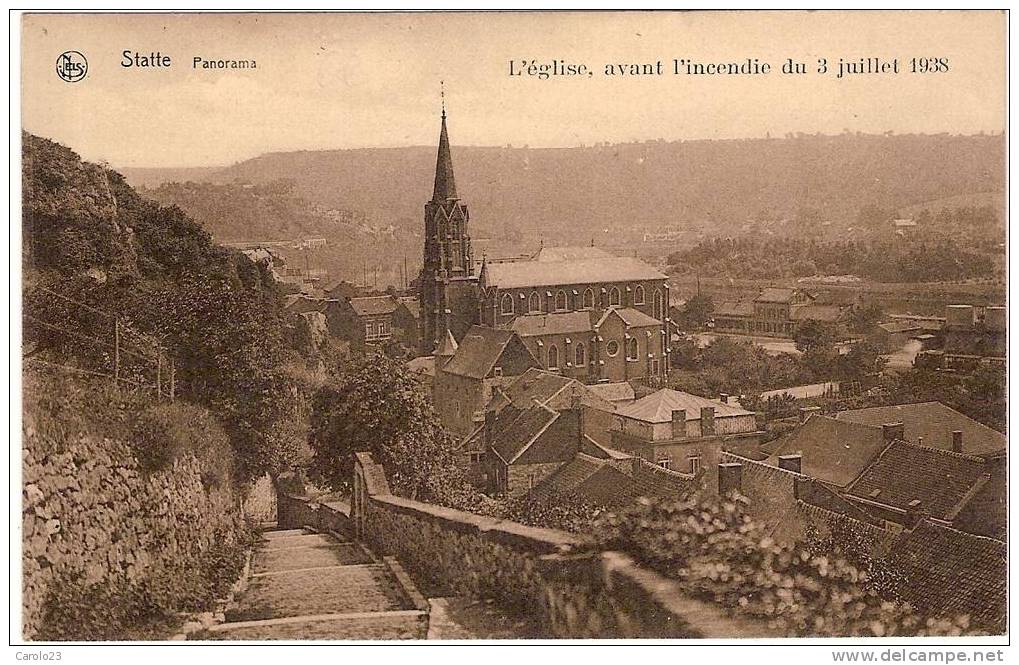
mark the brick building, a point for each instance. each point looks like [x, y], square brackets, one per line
[683, 432]
[777, 312]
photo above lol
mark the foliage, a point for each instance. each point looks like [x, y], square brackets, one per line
[375, 405]
[93, 239]
[554, 510]
[149, 609]
[861, 361]
[864, 317]
[938, 257]
[812, 335]
[711, 546]
[697, 311]
[737, 367]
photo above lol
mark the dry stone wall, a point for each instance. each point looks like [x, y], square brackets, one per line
[92, 519]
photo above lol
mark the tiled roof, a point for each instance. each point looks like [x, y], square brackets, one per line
[902, 473]
[734, 309]
[550, 254]
[518, 274]
[413, 305]
[515, 429]
[899, 326]
[563, 323]
[949, 572]
[422, 365]
[302, 304]
[934, 423]
[833, 452]
[374, 305]
[548, 389]
[658, 407]
[815, 312]
[614, 392]
[567, 478]
[601, 483]
[479, 350]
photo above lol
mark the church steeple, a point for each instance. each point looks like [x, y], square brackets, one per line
[445, 184]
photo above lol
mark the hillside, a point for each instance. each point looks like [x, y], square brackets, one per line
[568, 194]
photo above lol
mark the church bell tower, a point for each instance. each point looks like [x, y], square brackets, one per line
[448, 261]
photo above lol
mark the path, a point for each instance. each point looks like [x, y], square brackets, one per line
[315, 586]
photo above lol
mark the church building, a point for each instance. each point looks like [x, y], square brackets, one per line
[581, 311]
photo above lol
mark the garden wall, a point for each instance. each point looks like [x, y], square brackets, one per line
[104, 542]
[549, 577]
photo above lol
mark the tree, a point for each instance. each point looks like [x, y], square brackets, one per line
[813, 335]
[375, 405]
[865, 317]
[863, 360]
[697, 311]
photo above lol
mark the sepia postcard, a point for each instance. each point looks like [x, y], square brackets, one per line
[660, 327]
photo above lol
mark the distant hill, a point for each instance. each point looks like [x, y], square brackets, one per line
[714, 186]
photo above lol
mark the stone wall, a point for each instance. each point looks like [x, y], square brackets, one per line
[552, 578]
[92, 519]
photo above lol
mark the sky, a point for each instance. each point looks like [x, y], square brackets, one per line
[372, 80]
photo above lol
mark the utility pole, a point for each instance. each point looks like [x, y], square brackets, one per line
[116, 350]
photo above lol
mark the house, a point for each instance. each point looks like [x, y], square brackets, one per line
[613, 482]
[371, 321]
[619, 394]
[974, 337]
[828, 450]
[905, 482]
[525, 445]
[557, 392]
[683, 432]
[893, 335]
[778, 312]
[932, 424]
[465, 374]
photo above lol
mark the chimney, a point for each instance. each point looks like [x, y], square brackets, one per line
[893, 431]
[723, 398]
[807, 411]
[678, 423]
[730, 477]
[792, 462]
[707, 420]
[957, 441]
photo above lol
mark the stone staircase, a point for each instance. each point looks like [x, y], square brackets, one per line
[306, 585]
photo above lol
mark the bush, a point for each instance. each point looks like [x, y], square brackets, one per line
[718, 553]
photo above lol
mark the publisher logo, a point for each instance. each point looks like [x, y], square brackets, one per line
[72, 66]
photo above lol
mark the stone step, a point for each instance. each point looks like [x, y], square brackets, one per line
[392, 625]
[283, 533]
[341, 589]
[304, 540]
[312, 556]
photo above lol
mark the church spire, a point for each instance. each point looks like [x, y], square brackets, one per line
[445, 184]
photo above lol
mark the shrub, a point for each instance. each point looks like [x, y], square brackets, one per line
[718, 553]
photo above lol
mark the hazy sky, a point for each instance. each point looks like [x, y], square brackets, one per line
[356, 80]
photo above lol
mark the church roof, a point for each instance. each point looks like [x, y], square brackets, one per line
[559, 323]
[518, 274]
[550, 254]
[445, 184]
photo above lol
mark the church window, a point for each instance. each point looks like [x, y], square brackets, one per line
[581, 355]
[638, 295]
[612, 348]
[507, 304]
[659, 305]
[632, 351]
[614, 296]
[561, 302]
[589, 299]
[534, 302]
[553, 357]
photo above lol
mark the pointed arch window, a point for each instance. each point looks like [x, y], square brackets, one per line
[507, 304]
[581, 355]
[614, 296]
[632, 350]
[638, 295]
[589, 299]
[534, 302]
[561, 301]
[659, 306]
[553, 357]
